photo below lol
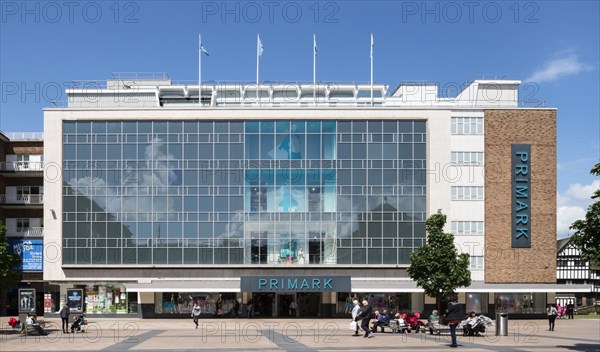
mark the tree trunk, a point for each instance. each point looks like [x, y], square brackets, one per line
[3, 299]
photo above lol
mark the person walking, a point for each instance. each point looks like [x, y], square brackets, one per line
[355, 311]
[249, 309]
[365, 317]
[64, 316]
[454, 315]
[196, 313]
[236, 308]
[293, 308]
[219, 307]
[551, 313]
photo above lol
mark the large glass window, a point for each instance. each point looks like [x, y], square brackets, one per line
[234, 192]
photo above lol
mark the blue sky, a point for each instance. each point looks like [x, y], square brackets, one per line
[552, 44]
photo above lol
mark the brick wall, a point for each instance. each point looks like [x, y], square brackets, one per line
[504, 264]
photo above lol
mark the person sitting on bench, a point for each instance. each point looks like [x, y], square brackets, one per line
[384, 320]
[32, 326]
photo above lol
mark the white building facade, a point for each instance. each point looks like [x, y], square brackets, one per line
[159, 198]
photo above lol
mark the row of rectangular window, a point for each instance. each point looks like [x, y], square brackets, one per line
[208, 138]
[211, 166]
[467, 227]
[224, 152]
[467, 193]
[382, 138]
[237, 217]
[223, 256]
[144, 191]
[162, 126]
[467, 158]
[466, 125]
[228, 243]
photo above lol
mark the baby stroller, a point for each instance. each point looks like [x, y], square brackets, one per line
[477, 327]
[77, 325]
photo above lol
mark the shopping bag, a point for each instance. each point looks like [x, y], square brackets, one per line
[353, 325]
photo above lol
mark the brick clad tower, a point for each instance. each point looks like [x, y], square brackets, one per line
[503, 128]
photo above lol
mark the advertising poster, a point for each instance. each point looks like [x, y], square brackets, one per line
[31, 252]
[75, 300]
[26, 300]
[47, 303]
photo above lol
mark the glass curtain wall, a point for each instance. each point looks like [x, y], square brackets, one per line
[243, 192]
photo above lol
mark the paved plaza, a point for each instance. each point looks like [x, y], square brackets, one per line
[293, 335]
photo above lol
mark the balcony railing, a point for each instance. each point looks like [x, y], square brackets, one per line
[24, 136]
[24, 231]
[21, 166]
[21, 198]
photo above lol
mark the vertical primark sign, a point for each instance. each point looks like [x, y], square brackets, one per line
[521, 195]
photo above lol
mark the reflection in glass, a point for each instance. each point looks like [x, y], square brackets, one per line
[255, 192]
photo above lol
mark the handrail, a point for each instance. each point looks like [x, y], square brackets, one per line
[21, 166]
[25, 231]
[21, 198]
[15, 136]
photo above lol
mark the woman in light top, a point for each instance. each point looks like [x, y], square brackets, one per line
[355, 311]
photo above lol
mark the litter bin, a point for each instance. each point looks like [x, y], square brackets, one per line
[501, 324]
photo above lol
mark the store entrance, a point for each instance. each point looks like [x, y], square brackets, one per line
[309, 303]
[263, 304]
[283, 305]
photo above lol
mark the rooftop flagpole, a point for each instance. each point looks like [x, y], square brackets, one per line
[200, 51]
[371, 69]
[259, 51]
[199, 69]
[315, 68]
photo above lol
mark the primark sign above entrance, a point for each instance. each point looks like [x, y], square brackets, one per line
[295, 284]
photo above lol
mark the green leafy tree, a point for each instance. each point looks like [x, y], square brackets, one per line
[437, 267]
[587, 231]
[8, 262]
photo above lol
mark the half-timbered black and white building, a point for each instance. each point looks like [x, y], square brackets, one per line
[572, 270]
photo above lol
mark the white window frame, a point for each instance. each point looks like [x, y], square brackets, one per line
[467, 227]
[467, 193]
[467, 158]
[476, 262]
[466, 125]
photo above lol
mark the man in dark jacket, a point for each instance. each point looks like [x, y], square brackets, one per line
[383, 321]
[64, 316]
[454, 315]
[364, 316]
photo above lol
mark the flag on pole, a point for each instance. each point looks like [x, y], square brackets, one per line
[200, 51]
[372, 46]
[260, 47]
[203, 50]
[315, 43]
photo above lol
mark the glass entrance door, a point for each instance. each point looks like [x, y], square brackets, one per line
[309, 303]
[283, 304]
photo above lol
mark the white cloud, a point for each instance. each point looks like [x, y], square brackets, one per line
[566, 215]
[572, 205]
[558, 68]
[582, 192]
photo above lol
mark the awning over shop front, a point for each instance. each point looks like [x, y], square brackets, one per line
[358, 285]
